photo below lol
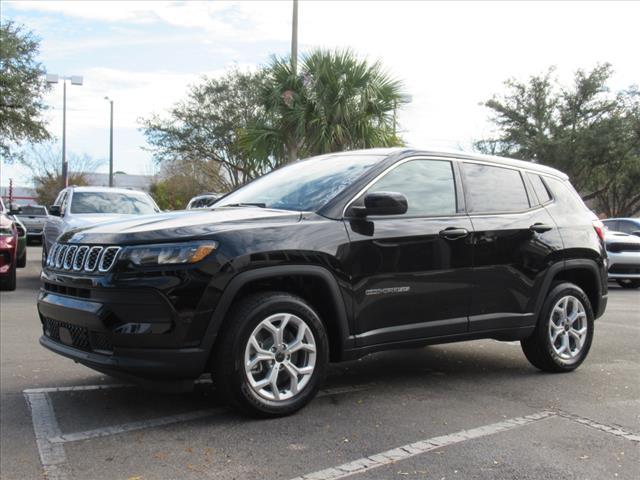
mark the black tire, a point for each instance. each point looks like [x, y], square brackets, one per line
[228, 370]
[9, 282]
[538, 347]
[629, 283]
[22, 261]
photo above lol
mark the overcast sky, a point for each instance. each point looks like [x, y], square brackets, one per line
[451, 56]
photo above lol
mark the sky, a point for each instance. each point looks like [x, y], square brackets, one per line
[451, 56]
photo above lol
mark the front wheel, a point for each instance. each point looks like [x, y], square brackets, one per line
[563, 335]
[272, 358]
[629, 283]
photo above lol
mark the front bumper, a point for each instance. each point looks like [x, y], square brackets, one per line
[134, 332]
[624, 265]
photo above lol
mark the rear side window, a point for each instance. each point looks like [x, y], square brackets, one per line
[494, 189]
[428, 185]
[540, 188]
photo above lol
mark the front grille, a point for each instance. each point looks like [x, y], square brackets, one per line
[623, 247]
[82, 258]
[622, 269]
[79, 336]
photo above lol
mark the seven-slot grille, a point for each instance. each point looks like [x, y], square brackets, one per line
[82, 258]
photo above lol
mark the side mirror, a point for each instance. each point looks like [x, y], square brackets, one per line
[636, 233]
[15, 211]
[382, 203]
[55, 210]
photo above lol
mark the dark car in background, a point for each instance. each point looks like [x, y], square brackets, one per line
[34, 218]
[330, 259]
[8, 252]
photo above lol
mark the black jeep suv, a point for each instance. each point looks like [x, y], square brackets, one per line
[330, 259]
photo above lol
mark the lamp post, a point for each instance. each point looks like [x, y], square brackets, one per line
[75, 80]
[110, 142]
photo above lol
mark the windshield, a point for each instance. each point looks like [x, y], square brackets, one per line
[31, 210]
[112, 202]
[303, 186]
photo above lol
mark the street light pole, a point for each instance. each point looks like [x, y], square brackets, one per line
[75, 80]
[110, 142]
[294, 39]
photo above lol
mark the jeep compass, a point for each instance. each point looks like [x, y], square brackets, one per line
[326, 260]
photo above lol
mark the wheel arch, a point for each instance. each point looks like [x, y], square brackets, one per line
[315, 284]
[582, 272]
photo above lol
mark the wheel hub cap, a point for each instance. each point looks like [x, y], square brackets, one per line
[568, 327]
[280, 357]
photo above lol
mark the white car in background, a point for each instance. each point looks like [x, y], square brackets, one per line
[623, 251]
[77, 207]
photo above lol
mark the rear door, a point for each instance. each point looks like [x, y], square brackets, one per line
[411, 273]
[514, 241]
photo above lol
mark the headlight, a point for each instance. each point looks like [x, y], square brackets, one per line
[169, 253]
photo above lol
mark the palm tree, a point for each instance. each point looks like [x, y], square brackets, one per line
[337, 102]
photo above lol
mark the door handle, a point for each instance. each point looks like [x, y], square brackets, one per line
[453, 233]
[540, 227]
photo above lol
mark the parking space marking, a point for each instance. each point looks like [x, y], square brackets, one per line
[139, 425]
[610, 429]
[417, 448]
[45, 425]
[50, 440]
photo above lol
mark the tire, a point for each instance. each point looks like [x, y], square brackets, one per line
[629, 283]
[9, 282]
[249, 319]
[22, 261]
[539, 348]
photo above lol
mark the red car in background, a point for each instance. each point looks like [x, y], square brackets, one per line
[8, 253]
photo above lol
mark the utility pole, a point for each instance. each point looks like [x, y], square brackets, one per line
[294, 39]
[110, 143]
[75, 80]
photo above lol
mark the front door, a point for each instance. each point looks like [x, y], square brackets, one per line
[410, 273]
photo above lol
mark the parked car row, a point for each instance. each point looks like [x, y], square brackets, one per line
[623, 250]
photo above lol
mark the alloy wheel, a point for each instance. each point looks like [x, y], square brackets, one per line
[568, 327]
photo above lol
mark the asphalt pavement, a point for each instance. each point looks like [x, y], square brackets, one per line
[473, 410]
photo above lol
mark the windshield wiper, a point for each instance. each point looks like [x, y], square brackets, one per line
[260, 205]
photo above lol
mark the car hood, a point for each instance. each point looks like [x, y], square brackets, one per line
[178, 226]
[620, 237]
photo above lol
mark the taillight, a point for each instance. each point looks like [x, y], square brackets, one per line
[599, 228]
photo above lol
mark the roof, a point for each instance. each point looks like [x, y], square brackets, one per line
[439, 152]
[105, 189]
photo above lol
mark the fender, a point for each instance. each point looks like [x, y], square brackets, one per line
[237, 282]
[568, 265]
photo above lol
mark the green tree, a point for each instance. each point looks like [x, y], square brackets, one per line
[202, 132]
[582, 129]
[22, 86]
[336, 102]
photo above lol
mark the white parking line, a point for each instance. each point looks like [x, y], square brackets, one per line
[78, 388]
[610, 429]
[412, 449]
[45, 426]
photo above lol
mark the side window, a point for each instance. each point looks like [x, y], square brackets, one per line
[428, 185]
[540, 188]
[611, 225]
[60, 198]
[494, 189]
[627, 227]
[63, 202]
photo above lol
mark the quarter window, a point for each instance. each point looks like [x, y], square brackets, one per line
[494, 189]
[428, 185]
[540, 188]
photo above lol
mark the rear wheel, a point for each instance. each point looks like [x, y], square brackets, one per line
[272, 358]
[629, 283]
[563, 336]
